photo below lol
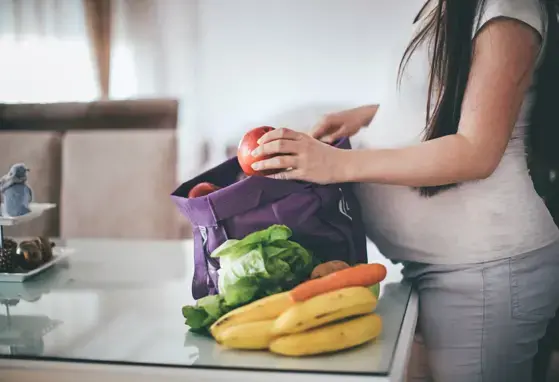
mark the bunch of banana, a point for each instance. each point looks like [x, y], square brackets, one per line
[328, 322]
[228, 328]
[329, 338]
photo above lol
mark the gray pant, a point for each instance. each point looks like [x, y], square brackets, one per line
[482, 322]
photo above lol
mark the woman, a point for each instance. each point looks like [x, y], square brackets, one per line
[445, 184]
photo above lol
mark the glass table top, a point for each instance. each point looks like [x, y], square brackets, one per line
[120, 302]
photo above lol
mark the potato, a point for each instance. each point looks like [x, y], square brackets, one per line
[325, 269]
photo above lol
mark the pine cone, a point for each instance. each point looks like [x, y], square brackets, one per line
[9, 244]
[7, 260]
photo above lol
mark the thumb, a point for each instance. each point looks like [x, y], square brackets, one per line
[321, 129]
[342, 132]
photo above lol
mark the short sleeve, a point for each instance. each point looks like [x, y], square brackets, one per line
[530, 12]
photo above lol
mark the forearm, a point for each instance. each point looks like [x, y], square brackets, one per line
[447, 160]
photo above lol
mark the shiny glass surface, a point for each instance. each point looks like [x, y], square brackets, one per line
[120, 302]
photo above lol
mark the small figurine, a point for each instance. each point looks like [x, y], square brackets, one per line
[16, 194]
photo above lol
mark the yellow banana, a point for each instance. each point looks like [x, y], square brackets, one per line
[250, 336]
[325, 308]
[266, 308]
[329, 338]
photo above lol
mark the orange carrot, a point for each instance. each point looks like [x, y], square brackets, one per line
[359, 275]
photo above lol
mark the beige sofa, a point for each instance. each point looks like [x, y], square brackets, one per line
[110, 167]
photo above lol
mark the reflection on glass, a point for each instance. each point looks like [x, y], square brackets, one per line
[23, 334]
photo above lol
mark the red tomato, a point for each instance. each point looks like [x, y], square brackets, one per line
[247, 145]
[202, 189]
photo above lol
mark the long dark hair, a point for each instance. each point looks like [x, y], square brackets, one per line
[448, 29]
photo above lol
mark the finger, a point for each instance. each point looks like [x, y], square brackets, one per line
[321, 129]
[280, 162]
[282, 133]
[342, 132]
[286, 175]
[279, 146]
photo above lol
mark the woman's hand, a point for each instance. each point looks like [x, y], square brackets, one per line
[300, 157]
[344, 123]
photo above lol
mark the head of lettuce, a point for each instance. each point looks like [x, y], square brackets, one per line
[261, 264]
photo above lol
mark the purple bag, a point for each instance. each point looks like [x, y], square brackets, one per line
[324, 219]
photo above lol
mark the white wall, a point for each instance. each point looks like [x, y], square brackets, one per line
[154, 54]
[289, 61]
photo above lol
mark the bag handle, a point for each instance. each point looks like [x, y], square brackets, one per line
[200, 278]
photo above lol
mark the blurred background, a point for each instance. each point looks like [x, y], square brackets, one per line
[113, 103]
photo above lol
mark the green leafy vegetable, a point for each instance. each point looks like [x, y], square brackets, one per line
[207, 310]
[263, 263]
[239, 247]
[375, 289]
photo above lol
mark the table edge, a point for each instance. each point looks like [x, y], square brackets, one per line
[21, 370]
[398, 371]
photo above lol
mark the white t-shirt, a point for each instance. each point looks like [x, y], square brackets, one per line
[478, 221]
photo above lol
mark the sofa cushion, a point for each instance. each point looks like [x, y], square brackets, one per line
[117, 184]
